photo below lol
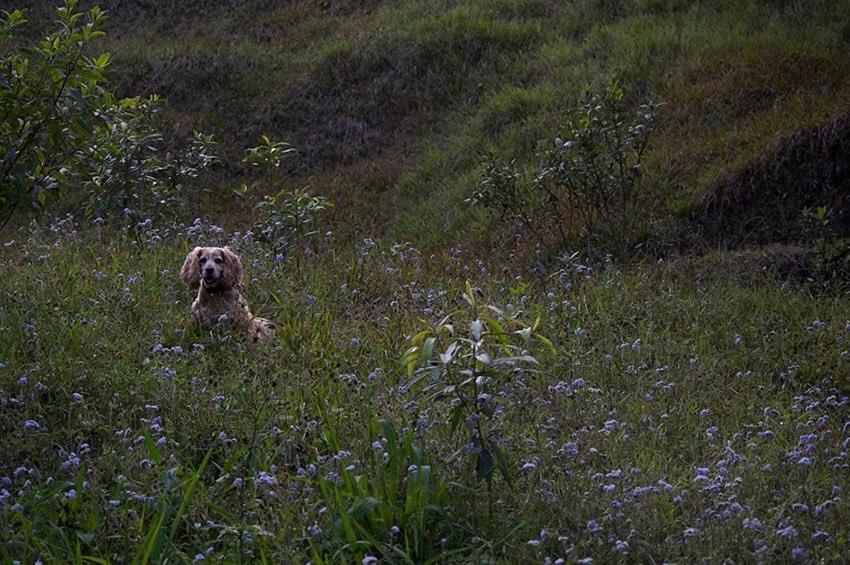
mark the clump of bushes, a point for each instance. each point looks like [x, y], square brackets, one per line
[586, 186]
[286, 217]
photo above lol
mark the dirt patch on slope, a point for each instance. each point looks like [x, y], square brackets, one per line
[762, 202]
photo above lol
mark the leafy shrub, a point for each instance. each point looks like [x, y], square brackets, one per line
[468, 368]
[287, 217]
[63, 131]
[268, 155]
[830, 251]
[585, 186]
[129, 167]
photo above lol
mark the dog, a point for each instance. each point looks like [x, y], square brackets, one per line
[216, 273]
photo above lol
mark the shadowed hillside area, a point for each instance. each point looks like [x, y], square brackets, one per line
[468, 281]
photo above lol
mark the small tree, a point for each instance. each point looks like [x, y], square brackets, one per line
[587, 183]
[464, 362]
[51, 94]
[62, 130]
[287, 217]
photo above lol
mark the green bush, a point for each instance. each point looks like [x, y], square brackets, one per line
[468, 369]
[830, 251]
[129, 169]
[287, 217]
[63, 132]
[51, 94]
[587, 185]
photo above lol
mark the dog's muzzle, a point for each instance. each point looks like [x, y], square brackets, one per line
[210, 276]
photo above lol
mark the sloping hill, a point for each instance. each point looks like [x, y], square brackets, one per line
[390, 103]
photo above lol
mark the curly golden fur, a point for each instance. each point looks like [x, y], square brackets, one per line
[216, 273]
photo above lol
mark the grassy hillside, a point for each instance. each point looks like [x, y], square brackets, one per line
[686, 402]
[391, 103]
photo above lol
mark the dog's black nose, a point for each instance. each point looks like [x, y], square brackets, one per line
[209, 271]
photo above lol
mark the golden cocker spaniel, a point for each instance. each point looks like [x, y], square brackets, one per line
[216, 273]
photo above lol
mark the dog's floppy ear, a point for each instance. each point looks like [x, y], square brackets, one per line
[190, 273]
[232, 275]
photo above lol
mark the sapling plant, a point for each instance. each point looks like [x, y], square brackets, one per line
[830, 252]
[464, 361]
[286, 217]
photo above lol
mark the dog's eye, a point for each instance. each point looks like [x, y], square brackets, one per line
[203, 260]
[219, 260]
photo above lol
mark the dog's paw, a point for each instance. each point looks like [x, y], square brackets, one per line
[262, 330]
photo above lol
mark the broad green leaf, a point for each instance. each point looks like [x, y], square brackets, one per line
[150, 444]
[427, 350]
[449, 355]
[501, 462]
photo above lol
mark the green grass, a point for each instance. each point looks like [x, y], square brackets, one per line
[89, 312]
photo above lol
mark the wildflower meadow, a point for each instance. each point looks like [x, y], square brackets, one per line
[552, 282]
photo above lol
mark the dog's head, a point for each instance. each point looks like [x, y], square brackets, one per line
[217, 268]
